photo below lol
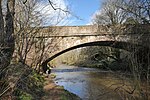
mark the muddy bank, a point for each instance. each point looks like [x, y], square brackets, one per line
[55, 92]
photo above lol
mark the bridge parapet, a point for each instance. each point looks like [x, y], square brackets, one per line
[68, 30]
[92, 30]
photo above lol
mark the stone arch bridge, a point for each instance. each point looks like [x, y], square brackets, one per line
[126, 37]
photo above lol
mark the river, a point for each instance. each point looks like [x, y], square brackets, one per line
[88, 83]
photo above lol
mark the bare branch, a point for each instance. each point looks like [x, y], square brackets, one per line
[24, 2]
[66, 11]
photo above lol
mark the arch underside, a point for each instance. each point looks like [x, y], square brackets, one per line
[115, 44]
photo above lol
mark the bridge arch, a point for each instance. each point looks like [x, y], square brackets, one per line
[115, 44]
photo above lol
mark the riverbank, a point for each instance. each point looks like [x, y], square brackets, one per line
[55, 92]
[28, 85]
[24, 83]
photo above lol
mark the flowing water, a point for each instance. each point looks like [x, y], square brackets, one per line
[88, 83]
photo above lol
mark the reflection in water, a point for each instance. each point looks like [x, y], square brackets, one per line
[88, 85]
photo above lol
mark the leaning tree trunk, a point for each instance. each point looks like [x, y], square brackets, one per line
[7, 42]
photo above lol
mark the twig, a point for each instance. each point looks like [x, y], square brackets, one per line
[24, 2]
[8, 87]
[66, 11]
[51, 3]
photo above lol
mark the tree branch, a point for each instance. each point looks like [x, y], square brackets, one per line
[24, 2]
[66, 11]
[1, 23]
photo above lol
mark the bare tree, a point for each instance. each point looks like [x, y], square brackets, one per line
[32, 46]
[138, 9]
[7, 42]
[6, 35]
[134, 12]
[118, 11]
[110, 13]
[23, 22]
[27, 22]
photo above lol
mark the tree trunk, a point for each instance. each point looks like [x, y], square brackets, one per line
[7, 42]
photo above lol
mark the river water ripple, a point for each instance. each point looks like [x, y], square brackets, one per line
[87, 83]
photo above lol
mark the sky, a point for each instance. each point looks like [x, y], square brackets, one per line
[81, 12]
[84, 9]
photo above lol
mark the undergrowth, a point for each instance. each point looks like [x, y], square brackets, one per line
[30, 86]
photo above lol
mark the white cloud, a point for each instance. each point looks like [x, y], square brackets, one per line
[91, 20]
[51, 16]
